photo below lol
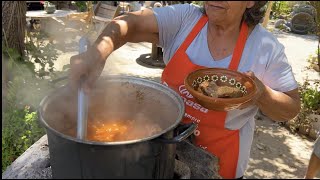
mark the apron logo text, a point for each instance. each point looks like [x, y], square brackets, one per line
[192, 118]
[184, 91]
[194, 105]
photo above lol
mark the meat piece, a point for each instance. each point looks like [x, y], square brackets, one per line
[213, 90]
[208, 88]
[228, 92]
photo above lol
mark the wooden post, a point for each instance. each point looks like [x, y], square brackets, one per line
[267, 14]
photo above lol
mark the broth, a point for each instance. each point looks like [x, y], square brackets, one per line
[118, 130]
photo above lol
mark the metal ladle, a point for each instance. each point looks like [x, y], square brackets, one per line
[82, 100]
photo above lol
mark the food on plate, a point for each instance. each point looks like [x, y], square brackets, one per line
[213, 90]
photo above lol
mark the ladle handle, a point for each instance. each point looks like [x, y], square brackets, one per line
[82, 100]
[82, 114]
[83, 43]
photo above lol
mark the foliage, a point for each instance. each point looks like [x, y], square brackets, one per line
[316, 5]
[41, 53]
[15, 58]
[313, 59]
[22, 96]
[19, 131]
[199, 3]
[47, 3]
[310, 96]
[20, 128]
[82, 5]
[280, 8]
[310, 104]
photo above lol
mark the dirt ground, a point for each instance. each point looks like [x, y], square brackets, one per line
[276, 152]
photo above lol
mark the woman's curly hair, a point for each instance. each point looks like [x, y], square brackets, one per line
[252, 15]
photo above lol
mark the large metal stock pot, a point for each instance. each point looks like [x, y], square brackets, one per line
[115, 97]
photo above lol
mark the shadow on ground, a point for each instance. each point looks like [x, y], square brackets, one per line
[146, 61]
[277, 153]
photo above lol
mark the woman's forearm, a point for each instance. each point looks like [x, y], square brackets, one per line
[140, 26]
[112, 37]
[279, 106]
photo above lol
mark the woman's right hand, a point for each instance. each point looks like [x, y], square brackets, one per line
[139, 26]
[88, 65]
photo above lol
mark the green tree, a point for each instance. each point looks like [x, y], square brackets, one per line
[280, 8]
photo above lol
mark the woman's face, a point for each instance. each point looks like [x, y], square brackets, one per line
[222, 12]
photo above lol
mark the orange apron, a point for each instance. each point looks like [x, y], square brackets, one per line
[211, 133]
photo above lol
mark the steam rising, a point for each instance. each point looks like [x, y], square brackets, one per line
[24, 88]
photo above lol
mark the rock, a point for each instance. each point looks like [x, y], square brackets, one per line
[304, 129]
[287, 28]
[182, 171]
[204, 165]
[314, 133]
[315, 118]
[288, 24]
[279, 23]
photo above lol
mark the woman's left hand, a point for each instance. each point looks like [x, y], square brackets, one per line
[278, 106]
[261, 89]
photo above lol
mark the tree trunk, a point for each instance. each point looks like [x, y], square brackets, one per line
[13, 34]
[316, 5]
[14, 24]
[267, 14]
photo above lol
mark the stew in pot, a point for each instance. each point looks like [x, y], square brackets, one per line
[118, 130]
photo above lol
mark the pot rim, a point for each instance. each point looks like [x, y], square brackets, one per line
[175, 96]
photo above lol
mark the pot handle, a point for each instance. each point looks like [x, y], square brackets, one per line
[188, 129]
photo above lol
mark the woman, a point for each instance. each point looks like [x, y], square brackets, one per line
[314, 162]
[226, 34]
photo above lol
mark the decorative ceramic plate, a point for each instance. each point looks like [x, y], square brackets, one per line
[221, 77]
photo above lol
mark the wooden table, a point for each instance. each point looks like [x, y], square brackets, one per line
[50, 23]
[58, 16]
[43, 14]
